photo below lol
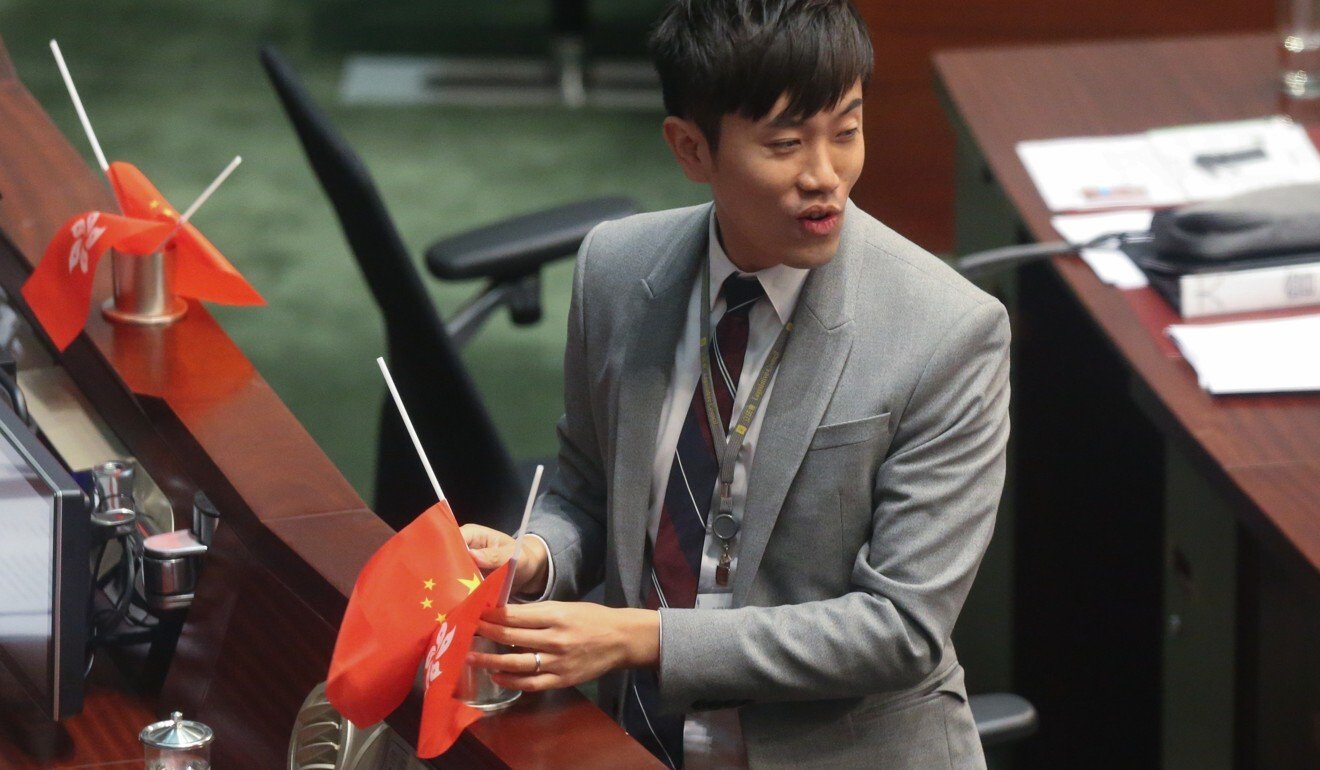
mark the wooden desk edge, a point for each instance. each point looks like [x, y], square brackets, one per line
[196, 435]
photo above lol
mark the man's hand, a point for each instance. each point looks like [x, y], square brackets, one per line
[577, 642]
[491, 548]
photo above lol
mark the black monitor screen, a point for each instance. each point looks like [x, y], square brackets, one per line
[44, 571]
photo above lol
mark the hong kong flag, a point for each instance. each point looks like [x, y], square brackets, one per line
[404, 593]
[444, 717]
[59, 290]
[203, 272]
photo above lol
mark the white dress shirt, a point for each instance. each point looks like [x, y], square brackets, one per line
[713, 739]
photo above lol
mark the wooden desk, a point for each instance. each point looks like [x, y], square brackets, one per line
[1167, 541]
[909, 171]
[293, 532]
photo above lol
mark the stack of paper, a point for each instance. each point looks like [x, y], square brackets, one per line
[1273, 356]
[1170, 166]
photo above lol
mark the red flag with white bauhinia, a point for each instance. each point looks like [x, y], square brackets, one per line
[202, 271]
[59, 290]
[444, 717]
[403, 594]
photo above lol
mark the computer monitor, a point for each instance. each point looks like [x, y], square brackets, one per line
[45, 574]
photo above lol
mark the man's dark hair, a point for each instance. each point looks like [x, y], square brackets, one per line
[720, 57]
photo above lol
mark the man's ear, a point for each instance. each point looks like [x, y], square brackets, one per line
[690, 148]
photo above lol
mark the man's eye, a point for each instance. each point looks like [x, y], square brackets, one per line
[849, 133]
[784, 144]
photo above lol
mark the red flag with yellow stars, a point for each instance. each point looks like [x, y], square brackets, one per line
[203, 272]
[402, 595]
[444, 717]
[60, 288]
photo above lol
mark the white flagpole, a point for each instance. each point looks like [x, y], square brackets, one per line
[407, 422]
[78, 105]
[527, 511]
[219, 180]
[197, 204]
[522, 532]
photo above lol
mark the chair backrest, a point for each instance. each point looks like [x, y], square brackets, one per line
[475, 470]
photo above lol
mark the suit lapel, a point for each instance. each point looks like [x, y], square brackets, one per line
[806, 380]
[644, 384]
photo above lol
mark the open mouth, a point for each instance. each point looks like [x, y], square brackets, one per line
[819, 222]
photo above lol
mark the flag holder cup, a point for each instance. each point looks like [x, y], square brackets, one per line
[477, 689]
[144, 289]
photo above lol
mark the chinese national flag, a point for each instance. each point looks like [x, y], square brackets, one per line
[444, 717]
[60, 288]
[404, 592]
[203, 272]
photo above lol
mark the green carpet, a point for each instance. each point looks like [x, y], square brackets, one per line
[176, 89]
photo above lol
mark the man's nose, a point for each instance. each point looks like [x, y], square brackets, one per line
[818, 175]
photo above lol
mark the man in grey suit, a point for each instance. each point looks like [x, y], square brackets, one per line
[783, 439]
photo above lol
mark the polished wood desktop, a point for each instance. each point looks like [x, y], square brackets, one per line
[908, 181]
[293, 533]
[1160, 533]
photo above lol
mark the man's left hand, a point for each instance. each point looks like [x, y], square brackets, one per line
[576, 642]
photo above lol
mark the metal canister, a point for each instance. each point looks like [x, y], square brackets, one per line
[170, 563]
[144, 289]
[177, 744]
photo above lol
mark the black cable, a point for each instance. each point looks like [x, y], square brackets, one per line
[118, 625]
[141, 603]
[142, 622]
[100, 557]
[91, 608]
[106, 621]
[123, 597]
[982, 263]
[126, 593]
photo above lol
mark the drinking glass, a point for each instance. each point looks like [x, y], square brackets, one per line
[1299, 48]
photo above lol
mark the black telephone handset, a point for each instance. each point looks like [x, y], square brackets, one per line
[1274, 226]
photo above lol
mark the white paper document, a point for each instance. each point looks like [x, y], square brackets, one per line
[1170, 166]
[1115, 268]
[1099, 172]
[1272, 356]
[1217, 160]
[1111, 266]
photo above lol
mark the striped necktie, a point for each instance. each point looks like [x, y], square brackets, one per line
[675, 555]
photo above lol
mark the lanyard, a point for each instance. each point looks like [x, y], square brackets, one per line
[722, 523]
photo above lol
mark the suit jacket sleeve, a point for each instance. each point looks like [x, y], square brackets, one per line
[935, 496]
[570, 516]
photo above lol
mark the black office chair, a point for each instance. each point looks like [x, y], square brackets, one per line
[478, 475]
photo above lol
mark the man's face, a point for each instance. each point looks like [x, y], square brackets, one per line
[780, 184]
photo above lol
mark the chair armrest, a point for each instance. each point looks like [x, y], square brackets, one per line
[516, 247]
[1003, 717]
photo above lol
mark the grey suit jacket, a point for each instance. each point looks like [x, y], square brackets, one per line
[869, 506]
